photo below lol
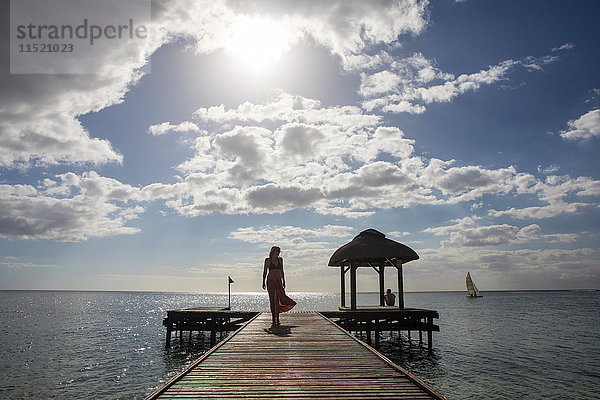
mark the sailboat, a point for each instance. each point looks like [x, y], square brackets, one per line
[471, 287]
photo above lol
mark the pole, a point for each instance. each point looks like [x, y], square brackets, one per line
[429, 332]
[353, 268]
[343, 286]
[400, 285]
[169, 328]
[381, 285]
[229, 282]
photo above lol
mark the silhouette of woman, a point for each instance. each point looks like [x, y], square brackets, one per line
[274, 282]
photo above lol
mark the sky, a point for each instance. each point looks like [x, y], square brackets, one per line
[467, 130]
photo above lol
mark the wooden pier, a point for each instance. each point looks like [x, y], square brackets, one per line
[307, 357]
[209, 319]
[364, 320]
[374, 319]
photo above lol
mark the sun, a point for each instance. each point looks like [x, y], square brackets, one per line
[258, 43]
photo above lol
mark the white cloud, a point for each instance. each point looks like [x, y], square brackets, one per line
[555, 192]
[350, 27]
[401, 75]
[288, 236]
[273, 198]
[71, 208]
[554, 208]
[23, 264]
[361, 62]
[301, 139]
[463, 83]
[397, 234]
[407, 85]
[466, 232]
[381, 82]
[347, 28]
[248, 144]
[166, 127]
[306, 251]
[51, 139]
[301, 161]
[548, 170]
[404, 106]
[529, 268]
[537, 63]
[566, 46]
[585, 127]
[338, 160]
[289, 108]
[376, 185]
[308, 158]
[39, 113]
[469, 182]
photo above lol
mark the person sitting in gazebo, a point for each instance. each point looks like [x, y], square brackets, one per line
[390, 298]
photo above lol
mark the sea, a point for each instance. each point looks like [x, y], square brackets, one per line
[111, 345]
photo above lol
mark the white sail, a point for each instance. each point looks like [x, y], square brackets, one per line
[471, 288]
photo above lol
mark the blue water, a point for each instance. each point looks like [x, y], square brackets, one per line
[110, 345]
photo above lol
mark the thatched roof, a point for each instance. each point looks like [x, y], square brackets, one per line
[371, 246]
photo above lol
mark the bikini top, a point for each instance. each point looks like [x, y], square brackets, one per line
[278, 265]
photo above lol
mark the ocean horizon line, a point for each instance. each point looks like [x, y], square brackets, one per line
[299, 292]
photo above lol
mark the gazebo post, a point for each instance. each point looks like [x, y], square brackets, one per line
[353, 268]
[381, 285]
[400, 284]
[343, 285]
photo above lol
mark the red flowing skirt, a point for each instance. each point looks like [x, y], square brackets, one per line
[280, 302]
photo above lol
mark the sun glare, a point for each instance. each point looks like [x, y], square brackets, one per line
[258, 43]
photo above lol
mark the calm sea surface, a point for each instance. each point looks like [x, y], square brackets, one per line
[110, 345]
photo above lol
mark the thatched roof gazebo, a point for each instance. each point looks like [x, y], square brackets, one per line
[371, 248]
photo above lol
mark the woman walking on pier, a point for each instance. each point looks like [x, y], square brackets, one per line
[274, 282]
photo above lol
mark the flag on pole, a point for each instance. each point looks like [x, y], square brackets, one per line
[229, 290]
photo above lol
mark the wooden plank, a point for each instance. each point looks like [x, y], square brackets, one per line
[173, 380]
[307, 357]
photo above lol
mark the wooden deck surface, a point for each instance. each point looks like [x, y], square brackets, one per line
[307, 357]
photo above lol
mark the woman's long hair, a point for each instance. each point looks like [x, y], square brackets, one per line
[274, 250]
